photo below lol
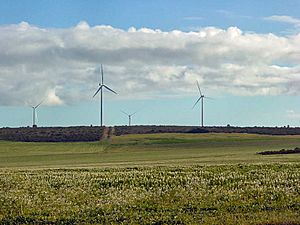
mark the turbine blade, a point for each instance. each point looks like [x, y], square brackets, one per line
[39, 103]
[102, 80]
[109, 89]
[124, 113]
[199, 88]
[209, 98]
[97, 91]
[134, 113]
[197, 102]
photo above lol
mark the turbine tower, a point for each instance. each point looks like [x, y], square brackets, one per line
[100, 88]
[129, 116]
[201, 97]
[34, 114]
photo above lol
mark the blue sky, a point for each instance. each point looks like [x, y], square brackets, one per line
[162, 14]
[267, 97]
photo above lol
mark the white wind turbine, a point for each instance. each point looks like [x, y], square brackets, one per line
[201, 97]
[34, 113]
[129, 116]
[101, 87]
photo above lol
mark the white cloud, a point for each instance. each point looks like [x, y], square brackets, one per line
[60, 65]
[284, 19]
[231, 14]
[52, 98]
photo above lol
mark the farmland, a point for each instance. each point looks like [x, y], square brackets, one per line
[149, 149]
[210, 178]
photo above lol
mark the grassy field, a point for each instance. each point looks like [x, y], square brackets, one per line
[151, 179]
[151, 149]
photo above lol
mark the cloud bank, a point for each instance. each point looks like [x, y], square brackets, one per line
[62, 65]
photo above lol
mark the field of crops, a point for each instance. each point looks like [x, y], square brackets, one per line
[236, 194]
[151, 179]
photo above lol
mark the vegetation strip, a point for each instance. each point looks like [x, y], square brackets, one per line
[229, 194]
[282, 151]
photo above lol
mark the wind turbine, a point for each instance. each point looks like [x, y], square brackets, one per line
[101, 87]
[129, 116]
[201, 97]
[34, 114]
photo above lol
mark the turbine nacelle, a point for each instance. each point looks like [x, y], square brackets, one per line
[129, 116]
[104, 86]
[34, 114]
[201, 97]
[100, 88]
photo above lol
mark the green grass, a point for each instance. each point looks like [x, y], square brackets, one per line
[151, 179]
[150, 149]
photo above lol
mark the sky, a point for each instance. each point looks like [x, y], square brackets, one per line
[244, 54]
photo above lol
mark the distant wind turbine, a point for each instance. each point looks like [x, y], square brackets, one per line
[129, 116]
[34, 114]
[101, 87]
[201, 97]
